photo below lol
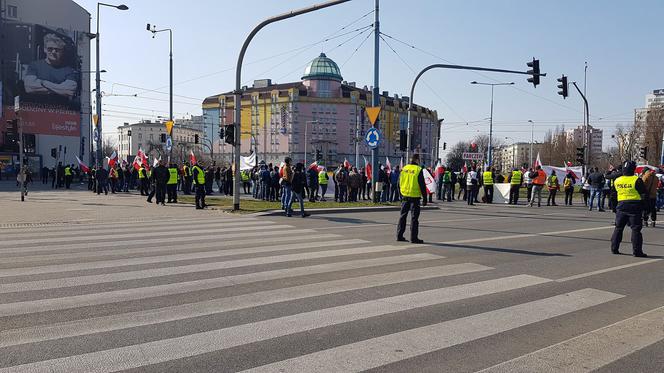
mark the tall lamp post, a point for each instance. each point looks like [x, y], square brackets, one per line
[154, 31]
[98, 83]
[490, 156]
[532, 137]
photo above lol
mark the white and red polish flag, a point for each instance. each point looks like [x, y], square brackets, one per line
[82, 165]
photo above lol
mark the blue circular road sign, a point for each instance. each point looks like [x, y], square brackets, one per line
[372, 138]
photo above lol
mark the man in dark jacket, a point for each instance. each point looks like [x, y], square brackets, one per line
[298, 184]
[596, 181]
[312, 182]
[161, 176]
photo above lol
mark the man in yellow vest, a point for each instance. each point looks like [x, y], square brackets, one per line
[199, 183]
[68, 177]
[487, 181]
[515, 180]
[412, 187]
[629, 188]
[172, 184]
[186, 183]
[143, 181]
[322, 181]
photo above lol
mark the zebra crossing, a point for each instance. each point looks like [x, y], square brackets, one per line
[247, 294]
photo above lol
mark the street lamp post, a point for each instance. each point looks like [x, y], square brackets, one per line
[490, 156]
[154, 32]
[98, 83]
[513, 150]
[306, 127]
[532, 136]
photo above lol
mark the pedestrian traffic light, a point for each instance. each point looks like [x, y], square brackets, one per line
[535, 72]
[644, 152]
[196, 138]
[54, 152]
[403, 140]
[162, 137]
[563, 86]
[129, 133]
[444, 145]
[229, 134]
[580, 155]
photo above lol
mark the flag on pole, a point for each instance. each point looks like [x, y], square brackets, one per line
[464, 168]
[388, 166]
[82, 165]
[367, 168]
[314, 166]
[155, 162]
[538, 162]
[429, 181]
[439, 169]
[347, 164]
[113, 159]
[144, 160]
[401, 164]
[192, 157]
[281, 169]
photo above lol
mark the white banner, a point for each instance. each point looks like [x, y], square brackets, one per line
[429, 181]
[247, 163]
[501, 193]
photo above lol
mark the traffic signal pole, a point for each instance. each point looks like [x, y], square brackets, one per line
[586, 121]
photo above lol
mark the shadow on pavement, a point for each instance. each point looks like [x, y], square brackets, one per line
[496, 249]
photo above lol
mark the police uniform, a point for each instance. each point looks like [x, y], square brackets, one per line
[172, 184]
[487, 181]
[412, 188]
[515, 186]
[186, 184]
[199, 182]
[68, 177]
[629, 188]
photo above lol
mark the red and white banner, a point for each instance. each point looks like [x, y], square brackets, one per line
[192, 158]
[113, 159]
[82, 165]
[429, 181]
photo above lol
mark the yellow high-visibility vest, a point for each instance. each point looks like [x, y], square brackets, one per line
[516, 177]
[67, 171]
[626, 188]
[408, 184]
[487, 178]
[200, 177]
[173, 176]
[141, 173]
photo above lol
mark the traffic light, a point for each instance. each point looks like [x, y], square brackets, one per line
[403, 140]
[162, 137]
[12, 127]
[221, 132]
[535, 72]
[129, 133]
[196, 138]
[54, 152]
[444, 145]
[229, 134]
[319, 155]
[563, 86]
[644, 152]
[580, 155]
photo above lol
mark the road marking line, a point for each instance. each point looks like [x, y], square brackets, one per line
[51, 304]
[422, 222]
[144, 234]
[591, 350]
[143, 354]
[376, 352]
[600, 271]
[215, 306]
[150, 241]
[166, 271]
[524, 235]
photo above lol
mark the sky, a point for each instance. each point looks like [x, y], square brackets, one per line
[619, 40]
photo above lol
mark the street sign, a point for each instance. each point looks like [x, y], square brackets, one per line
[372, 138]
[372, 113]
[96, 135]
[169, 144]
[95, 119]
[17, 103]
[473, 156]
[169, 127]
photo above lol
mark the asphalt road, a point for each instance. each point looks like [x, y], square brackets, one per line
[171, 289]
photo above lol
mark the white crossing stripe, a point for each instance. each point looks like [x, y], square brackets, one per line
[143, 354]
[167, 271]
[172, 246]
[151, 241]
[191, 310]
[118, 263]
[605, 270]
[51, 304]
[163, 227]
[591, 350]
[376, 352]
[143, 234]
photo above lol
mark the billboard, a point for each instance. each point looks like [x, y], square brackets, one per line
[43, 67]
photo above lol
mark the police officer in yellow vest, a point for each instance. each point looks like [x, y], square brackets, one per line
[68, 177]
[172, 184]
[143, 181]
[412, 187]
[186, 183]
[515, 180]
[487, 181]
[629, 188]
[322, 181]
[199, 184]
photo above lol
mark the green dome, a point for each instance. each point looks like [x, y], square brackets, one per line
[322, 68]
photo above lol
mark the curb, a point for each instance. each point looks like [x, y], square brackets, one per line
[339, 210]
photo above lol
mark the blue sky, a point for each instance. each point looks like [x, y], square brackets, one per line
[620, 40]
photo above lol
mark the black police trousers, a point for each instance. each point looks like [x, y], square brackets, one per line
[628, 213]
[406, 204]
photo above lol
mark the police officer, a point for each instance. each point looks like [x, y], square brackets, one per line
[172, 184]
[186, 184]
[629, 188]
[412, 187]
[143, 181]
[515, 180]
[68, 177]
[487, 181]
[199, 183]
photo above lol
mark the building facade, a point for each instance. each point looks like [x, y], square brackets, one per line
[321, 113]
[595, 139]
[507, 157]
[45, 61]
[147, 135]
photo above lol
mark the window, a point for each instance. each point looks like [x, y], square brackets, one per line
[12, 11]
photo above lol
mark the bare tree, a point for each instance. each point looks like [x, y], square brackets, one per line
[627, 140]
[653, 132]
[455, 155]
[108, 146]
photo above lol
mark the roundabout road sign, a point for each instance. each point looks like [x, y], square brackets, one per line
[169, 143]
[372, 138]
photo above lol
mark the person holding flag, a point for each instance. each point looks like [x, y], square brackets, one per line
[412, 187]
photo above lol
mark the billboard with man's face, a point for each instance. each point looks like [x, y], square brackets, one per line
[43, 68]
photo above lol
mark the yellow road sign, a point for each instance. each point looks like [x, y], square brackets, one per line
[95, 119]
[372, 113]
[169, 127]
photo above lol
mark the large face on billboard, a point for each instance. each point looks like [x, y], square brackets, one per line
[42, 66]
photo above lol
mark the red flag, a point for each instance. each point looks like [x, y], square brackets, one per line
[465, 168]
[538, 162]
[388, 166]
[367, 168]
[314, 166]
[192, 157]
[281, 169]
[439, 169]
[113, 159]
[82, 165]
[347, 164]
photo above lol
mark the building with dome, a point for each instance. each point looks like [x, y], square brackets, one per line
[321, 114]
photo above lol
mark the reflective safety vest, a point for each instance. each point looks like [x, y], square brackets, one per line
[200, 177]
[322, 178]
[408, 184]
[487, 178]
[552, 182]
[516, 177]
[173, 176]
[245, 176]
[447, 177]
[141, 173]
[540, 179]
[186, 170]
[626, 188]
[113, 173]
[67, 171]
